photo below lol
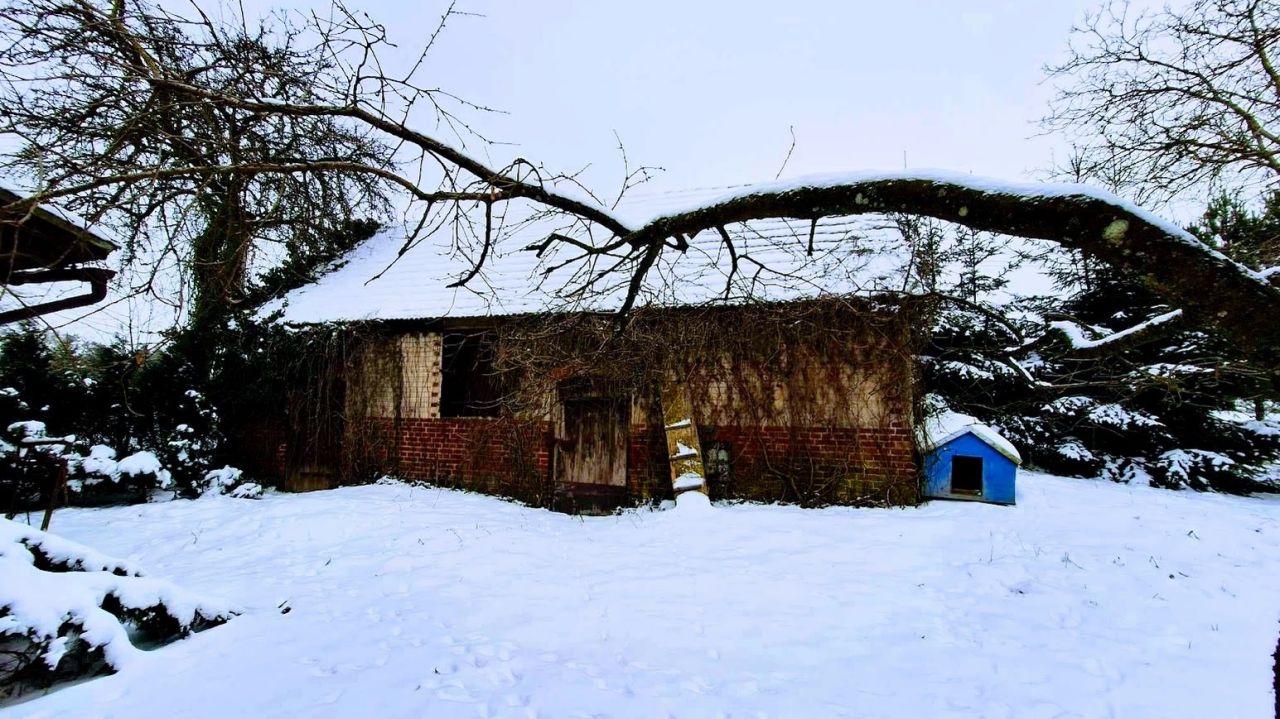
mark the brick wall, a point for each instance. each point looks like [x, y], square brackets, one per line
[810, 465]
[816, 465]
[502, 457]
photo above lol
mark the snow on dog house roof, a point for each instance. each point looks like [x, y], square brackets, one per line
[377, 281]
[947, 426]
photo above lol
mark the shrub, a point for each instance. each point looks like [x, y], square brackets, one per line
[68, 611]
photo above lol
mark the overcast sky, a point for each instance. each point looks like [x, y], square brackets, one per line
[712, 90]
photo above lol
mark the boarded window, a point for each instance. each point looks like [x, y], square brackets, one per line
[469, 386]
[966, 475]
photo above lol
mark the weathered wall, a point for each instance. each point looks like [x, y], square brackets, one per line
[420, 375]
[259, 449]
[403, 433]
[808, 425]
[811, 427]
[400, 378]
[859, 466]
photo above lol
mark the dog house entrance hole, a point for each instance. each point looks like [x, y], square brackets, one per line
[966, 476]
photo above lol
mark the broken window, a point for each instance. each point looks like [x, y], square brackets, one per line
[715, 461]
[469, 385]
[966, 475]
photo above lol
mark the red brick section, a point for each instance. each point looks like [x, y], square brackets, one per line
[500, 457]
[816, 465]
[812, 465]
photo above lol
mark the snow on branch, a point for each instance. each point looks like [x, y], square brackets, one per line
[1155, 327]
[1213, 290]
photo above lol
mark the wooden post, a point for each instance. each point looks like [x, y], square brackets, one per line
[59, 486]
[58, 483]
[683, 449]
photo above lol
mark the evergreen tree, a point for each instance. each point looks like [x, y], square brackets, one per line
[1252, 238]
[1164, 411]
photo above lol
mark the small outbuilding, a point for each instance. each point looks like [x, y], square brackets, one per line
[965, 459]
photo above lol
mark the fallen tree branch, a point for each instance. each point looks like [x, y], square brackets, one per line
[1214, 291]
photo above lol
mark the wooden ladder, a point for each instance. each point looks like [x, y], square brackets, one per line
[683, 449]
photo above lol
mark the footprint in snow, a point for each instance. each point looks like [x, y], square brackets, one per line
[455, 691]
[505, 677]
[588, 669]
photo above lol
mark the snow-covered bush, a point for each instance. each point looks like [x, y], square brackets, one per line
[1076, 458]
[29, 458]
[189, 446]
[248, 490]
[99, 478]
[230, 481]
[118, 401]
[68, 611]
[1191, 468]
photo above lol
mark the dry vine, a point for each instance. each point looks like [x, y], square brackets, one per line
[800, 386]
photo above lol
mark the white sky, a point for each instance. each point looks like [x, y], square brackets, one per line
[708, 90]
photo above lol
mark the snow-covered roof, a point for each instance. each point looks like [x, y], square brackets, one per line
[382, 280]
[68, 221]
[385, 279]
[946, 426]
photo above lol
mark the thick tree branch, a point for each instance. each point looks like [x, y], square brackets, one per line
[1214, 291]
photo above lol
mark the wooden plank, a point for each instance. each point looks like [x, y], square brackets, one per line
[683, 449]
[592, 446]
[310, 478]
[588, 498]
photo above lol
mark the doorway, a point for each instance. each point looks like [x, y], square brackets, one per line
[590, 463]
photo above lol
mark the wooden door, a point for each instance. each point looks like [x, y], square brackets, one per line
[313, 449]
[591, 454]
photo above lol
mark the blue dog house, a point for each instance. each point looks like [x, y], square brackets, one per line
[964, 459]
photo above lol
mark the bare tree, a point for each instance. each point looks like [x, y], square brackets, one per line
[370, 109]
[209, 139]
[1161, 102]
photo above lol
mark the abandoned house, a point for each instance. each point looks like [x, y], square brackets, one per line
[782, 373]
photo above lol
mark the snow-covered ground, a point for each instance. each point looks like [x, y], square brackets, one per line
[1088, 599]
